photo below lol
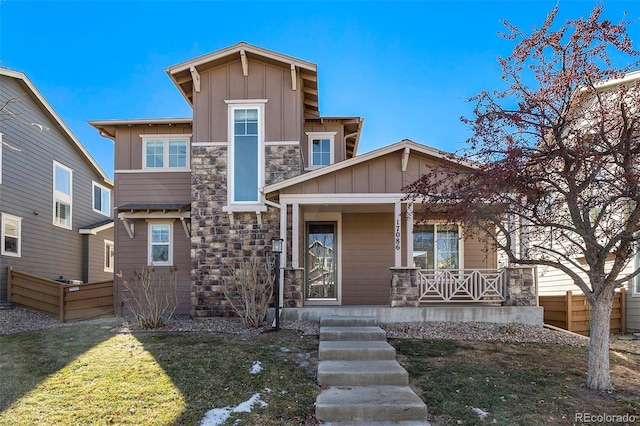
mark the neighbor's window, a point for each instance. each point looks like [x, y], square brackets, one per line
[62, 195]
[11, 235]
[109, 255]
[160, 236]
[320, 148]
[436, 246]
[101, 199]
[168, 152]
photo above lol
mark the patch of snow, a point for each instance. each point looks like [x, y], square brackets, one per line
[481, 413]
[256, 367]
[219, 416]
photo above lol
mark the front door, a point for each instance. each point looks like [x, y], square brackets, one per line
[321, 262]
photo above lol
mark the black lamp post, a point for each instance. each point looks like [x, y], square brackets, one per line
[276, 248]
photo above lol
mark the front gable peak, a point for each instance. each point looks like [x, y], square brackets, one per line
[186, 75]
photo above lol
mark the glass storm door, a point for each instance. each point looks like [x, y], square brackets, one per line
[321, 261]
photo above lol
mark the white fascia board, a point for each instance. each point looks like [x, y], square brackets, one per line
[94, 231]
[340, 199]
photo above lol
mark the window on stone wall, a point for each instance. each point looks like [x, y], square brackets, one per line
[246, 155]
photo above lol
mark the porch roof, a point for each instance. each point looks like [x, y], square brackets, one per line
[406, 146]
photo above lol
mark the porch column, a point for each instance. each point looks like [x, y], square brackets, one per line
[409, 232]
[295, 235]
[404, 288]
[397, 234]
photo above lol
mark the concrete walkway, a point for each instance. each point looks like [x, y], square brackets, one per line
[361, 379]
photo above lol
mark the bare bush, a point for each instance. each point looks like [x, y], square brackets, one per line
[248, 288]
[152, 299]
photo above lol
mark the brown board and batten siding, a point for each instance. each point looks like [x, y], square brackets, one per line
[137, 186]
[283, 110]
[26, 190]
[133, 257]
[367, 255]
[381, 175]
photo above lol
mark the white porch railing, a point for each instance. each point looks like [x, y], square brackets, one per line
[462, 285]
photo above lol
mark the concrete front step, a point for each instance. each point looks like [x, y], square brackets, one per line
[362, 373]
[348, 321]
[383, 404]
[369, 333]
[356, 350]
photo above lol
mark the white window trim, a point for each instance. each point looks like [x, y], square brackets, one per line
[320, 135]
[165, 139]
[93, 198]
[240, 206]
[435, 242]
[66, 198]
[108, 268]
[17, 219]
[151, 222]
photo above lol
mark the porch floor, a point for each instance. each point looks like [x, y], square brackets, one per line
[527, 315]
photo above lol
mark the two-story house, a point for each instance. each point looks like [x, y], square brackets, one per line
[55, 200]
[257, 160]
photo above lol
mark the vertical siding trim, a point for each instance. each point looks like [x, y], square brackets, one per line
[295, 235]
[397, 237]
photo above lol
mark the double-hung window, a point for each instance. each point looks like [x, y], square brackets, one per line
[101, 199]
[160, 243]
[165, 152]
[11, 235]
[109, 255]
[62, 195]
[246, 153]
[436, 246]
[320, 148]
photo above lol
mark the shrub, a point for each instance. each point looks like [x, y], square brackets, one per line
[248, 287]
[152, 299]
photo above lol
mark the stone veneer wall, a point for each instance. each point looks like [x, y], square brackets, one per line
[218, 244]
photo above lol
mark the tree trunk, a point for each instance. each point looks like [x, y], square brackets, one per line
[598, 376]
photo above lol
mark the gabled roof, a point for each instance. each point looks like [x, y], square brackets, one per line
[48, 109]
[185, 75]
[405, 145]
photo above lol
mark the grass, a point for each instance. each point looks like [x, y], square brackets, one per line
[516, 384]
[87, 374]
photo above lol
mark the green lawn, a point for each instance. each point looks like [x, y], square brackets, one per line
[88, 374]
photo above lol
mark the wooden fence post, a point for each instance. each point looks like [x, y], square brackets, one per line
[9, 282]
[61, 301]
[569, 305]
[623, 310]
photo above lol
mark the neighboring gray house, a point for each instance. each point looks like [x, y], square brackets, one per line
[55, 200]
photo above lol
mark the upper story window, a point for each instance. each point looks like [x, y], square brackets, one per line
[246, 152]
[160, 243]
[165, 152]
[11, 235]
[437, 246]
[62, 195]
[101, 199]
[320, 148]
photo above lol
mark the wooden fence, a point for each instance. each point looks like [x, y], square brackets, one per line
[572, 312]
[67, 302]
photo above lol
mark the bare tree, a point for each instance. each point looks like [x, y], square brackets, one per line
[557, 155]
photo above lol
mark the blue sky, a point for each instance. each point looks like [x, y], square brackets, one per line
[406, 67]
